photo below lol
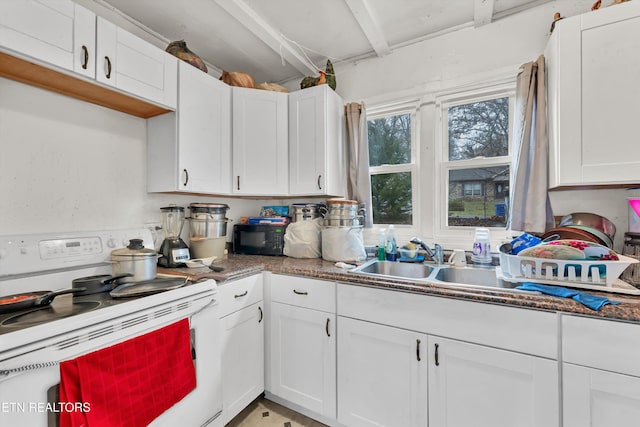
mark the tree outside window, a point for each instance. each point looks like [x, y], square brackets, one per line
[391, 168]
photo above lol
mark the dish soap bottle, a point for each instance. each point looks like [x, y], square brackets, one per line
[390, 246]
[381, 245]
[481, 253]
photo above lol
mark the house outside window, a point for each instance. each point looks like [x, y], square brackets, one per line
[475, 160]
[392, 167]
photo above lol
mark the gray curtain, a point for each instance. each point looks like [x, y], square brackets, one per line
[358, 178]
[530, 207]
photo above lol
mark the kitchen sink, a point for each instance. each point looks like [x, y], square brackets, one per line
[484, 277]
[481, 276]
[404, 270]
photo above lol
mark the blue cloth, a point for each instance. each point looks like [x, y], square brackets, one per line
[591, 301]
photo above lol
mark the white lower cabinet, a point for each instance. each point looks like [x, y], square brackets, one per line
[382, 375]
[301, 359]
[242, 344]
[474, 385]
[597, 398]
[600, 373]
[413, 360]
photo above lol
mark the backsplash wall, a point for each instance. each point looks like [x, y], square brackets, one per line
[67, 165]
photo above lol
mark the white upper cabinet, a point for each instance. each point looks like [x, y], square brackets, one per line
[316, 150]
[63, 47]
[190, 149]
[131, 64]
[593, 69]
[260, 142]
[58, 32]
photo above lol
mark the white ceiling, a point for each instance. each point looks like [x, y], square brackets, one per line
[280, 40]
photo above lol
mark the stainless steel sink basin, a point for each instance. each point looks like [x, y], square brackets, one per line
[467, 275]
[402, 270]
[470, 276]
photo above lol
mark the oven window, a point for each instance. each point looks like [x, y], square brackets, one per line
[255, 239]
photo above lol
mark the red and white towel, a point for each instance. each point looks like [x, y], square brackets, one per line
[130, 383]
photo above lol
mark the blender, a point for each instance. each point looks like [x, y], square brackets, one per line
[174, 250]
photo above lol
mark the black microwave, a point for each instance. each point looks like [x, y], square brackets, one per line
[258, 239]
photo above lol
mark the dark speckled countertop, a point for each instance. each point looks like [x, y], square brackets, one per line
[236, 266]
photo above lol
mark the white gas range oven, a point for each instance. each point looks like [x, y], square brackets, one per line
[33, 341]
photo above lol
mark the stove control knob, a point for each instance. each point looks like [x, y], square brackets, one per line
[111, 243]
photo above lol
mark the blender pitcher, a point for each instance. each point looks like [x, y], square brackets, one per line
[174, 250]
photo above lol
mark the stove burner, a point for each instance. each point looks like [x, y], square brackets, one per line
[48, 314]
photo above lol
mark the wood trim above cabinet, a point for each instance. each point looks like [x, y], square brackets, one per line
[33, 74]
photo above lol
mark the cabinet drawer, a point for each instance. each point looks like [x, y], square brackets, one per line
[239, 294]
[603, 344]
[303, 292]
[522, 330]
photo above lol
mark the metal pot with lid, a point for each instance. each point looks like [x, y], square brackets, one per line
[207, 220]
[215, 211]
[306, 211]
[136, 260]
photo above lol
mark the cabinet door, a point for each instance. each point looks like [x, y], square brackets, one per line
[242, 359]
[382, 375]
[133, 65]
[58, 32]
[204, 132]
[303, 357]
[316, 158]
[473, 385]
[593, 67]
[260, 142]
[596, 398]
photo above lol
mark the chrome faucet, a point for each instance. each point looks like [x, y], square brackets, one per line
[436, 254]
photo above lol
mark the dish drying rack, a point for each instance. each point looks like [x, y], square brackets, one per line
[592, 275]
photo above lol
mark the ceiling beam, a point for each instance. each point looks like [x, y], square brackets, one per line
[253, 22]
[361, 11]
[482, 12]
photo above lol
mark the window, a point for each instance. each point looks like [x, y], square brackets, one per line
[392, 167]
[476, 161]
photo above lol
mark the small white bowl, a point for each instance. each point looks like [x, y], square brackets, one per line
[200, 262]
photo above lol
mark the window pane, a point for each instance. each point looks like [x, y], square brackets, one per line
[391, 198]
[390, 140]
[478, 197]
[479, 129]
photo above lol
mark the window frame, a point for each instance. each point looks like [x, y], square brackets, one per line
[442, 231]
[413, 167]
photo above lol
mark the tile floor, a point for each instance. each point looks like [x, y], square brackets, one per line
[265, 413]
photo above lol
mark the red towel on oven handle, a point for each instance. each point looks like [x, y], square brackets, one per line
[130, 383]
